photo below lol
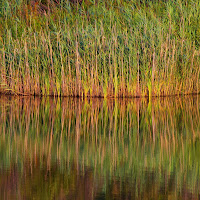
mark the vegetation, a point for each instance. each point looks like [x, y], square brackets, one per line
[139, 149]
[100, 48]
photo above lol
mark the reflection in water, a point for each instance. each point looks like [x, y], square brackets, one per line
[99, 149]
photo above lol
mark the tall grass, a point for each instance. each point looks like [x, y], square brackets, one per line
[100, 48]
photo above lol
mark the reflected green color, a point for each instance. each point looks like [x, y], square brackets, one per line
[99, 149]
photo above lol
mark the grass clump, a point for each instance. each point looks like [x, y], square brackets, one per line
[100, 48]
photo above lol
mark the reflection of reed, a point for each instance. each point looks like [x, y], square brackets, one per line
[97, 117]
[114, 137]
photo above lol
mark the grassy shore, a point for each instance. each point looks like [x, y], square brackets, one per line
[100, 48]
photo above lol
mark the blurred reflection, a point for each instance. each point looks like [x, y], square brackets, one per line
[99, 149]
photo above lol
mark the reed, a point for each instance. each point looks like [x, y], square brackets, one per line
[100, 48]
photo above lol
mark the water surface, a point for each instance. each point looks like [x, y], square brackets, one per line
[99, 149]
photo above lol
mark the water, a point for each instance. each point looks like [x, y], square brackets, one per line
[99, 149]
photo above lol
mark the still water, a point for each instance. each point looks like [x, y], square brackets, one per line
[99, 149]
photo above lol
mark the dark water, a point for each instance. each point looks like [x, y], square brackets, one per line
[99, 149]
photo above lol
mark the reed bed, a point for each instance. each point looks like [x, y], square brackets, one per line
[61, 139]
[100, 48]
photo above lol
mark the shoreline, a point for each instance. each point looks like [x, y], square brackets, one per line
[99, 97]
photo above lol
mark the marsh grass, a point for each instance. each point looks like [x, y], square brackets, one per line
[100, 49]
